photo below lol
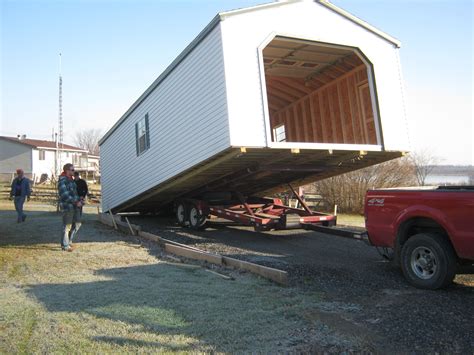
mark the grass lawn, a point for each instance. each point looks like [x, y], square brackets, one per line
[113, 294]
[355, 220]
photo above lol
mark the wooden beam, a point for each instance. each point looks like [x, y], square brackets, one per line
[301, 49]
[193, 254]
[342, 77]
[284, 87]
[294, 83]
[352, 60]
[342, 117]
[308, 131]
[273, 106]
[298, 124]
[292, 57]
[276, 275]
[352, 72]
[291, 134]
[335, 123]
[335, 71]
[283, 95]
[323, 77]
[132, 231]
[355, 114]
[197, 254]
[277, 102]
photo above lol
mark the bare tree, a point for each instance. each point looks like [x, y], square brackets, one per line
[423, 162]
[348, 190]
[88, 139]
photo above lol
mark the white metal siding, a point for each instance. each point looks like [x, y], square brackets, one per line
[13, 156]
[243, 33]
[188, 124]
[46, 166]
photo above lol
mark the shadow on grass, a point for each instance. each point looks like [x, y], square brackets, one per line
[45, 227]
[168, 300]
[139, 343]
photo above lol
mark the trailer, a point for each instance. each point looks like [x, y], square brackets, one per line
[283, 93]
[261, 213]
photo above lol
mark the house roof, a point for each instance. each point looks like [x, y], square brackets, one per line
[221, 16]
[38, 143]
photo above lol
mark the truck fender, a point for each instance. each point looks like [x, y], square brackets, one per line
[417, 211]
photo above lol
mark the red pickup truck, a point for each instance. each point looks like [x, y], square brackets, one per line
[431, 230]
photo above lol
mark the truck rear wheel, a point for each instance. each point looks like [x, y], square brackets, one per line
[428, 261]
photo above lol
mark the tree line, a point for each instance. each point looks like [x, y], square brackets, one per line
[347, 191]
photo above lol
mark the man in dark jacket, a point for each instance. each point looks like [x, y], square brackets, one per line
[69, 202]
[19, 191]
[82, 189]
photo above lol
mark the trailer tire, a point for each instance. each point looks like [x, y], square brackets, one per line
[197, 221]
[181, 214]
[428, 261]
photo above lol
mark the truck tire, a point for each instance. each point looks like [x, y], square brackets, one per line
[197, 221]
[181, 214]
[428, 261]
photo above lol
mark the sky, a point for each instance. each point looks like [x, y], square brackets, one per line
[112, 50]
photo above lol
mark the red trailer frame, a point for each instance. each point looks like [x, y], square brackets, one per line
[261, 213]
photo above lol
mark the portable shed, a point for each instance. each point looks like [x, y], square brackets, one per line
[292, 91]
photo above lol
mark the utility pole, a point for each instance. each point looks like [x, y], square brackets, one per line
[59, 142]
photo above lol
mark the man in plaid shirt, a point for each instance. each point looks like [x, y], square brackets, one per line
[70, 203]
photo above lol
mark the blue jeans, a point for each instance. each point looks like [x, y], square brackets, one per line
[71, 225]
[19, 201]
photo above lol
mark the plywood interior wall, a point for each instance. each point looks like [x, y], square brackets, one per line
[338, 112]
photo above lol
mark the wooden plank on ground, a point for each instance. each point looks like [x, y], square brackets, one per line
[193, 254]
[161, 240]
[276, 275]
[150, 236]
[186, 251]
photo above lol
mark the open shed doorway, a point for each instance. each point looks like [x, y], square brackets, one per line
[318, 93]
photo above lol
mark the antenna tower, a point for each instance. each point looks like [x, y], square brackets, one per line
[61, 134]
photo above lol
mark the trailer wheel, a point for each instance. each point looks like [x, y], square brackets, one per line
[197, 220]
[181, 214]
[428, 261]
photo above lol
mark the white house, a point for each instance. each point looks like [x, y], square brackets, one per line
[290, 91]
[39, 158]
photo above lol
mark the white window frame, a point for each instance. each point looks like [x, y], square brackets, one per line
[142, 135]
[278, 134]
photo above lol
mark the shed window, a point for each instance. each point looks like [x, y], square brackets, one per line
[42, 154]
[142, 135]
[279, 133]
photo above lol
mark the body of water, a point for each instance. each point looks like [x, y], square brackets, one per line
[447, 180]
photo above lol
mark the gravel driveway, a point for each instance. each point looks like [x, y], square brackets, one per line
[366, 296]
